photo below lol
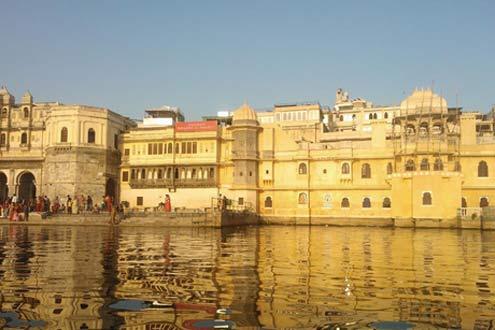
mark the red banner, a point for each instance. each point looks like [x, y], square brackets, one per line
[196, 126]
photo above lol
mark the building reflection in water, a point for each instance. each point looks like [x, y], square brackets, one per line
[271, 277]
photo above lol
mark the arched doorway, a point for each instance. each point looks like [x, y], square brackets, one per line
[27, 186]
[110, 188]
[4, 189]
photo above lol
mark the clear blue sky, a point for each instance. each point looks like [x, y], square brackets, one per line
[205, 56]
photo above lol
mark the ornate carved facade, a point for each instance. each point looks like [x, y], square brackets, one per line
[56, 150]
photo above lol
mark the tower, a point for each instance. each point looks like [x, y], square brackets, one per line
[245, 156]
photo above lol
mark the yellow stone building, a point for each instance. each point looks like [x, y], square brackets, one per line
[303, 163]
[54, 149]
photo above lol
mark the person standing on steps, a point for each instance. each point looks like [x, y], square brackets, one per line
[69, 205]
[168, 204]
[26, 210]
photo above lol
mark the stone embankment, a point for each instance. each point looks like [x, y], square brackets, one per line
[231, 218]
[212, 219]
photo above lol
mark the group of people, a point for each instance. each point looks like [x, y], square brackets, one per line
[15, 209]
[83, 204]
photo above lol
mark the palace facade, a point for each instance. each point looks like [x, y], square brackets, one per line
[306, 163]
[53, 149]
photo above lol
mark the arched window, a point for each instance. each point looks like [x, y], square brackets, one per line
[345, 203]
[482, 169]
[346, 169]
[457, 167]
[303, 169]
[64, 134]
[423, 129]
[427, 198]
[91, 135]
[2, 139]
[375, 116]
[176, 173]
[484, 202]
[212, 172]
[438, 166]
[370, 116]
[341, 118]
[143, 174]
[437, 129]
[390, 168]
[24, 138]
[366, 203]
[303, 198]
[169, 148]
[385, 115]
[463, 202]
[169, 173]
[268, 202]
[26, 112]
[386, 203]
[353, 117]
[366, 171]
[410, 166]
[410, 130]
[425, 165]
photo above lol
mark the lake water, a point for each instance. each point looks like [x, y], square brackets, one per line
[269, 277]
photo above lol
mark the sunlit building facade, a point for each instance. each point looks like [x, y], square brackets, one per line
[54, 149]
[306, 163]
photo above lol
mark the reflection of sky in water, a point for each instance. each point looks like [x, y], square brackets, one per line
[272, 277]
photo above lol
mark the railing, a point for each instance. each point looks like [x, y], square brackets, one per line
[485, 139]
[230, 204]
[169, 183]
[469, 213]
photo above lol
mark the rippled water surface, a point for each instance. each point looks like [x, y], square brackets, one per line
[270, 277]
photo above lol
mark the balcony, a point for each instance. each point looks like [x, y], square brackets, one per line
[169, 183]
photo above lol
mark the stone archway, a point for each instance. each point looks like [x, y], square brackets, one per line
[111, 188]
[26, 186]
[4, 188]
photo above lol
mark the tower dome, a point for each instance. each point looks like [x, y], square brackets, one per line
[245, 112]
[5, 96]
[423, 101]
[27, 98]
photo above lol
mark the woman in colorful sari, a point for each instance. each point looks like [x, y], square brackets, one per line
[168, 204]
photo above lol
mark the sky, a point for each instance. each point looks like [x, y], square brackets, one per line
[209, 56]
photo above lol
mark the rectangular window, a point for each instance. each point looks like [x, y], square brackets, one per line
[155, 148]
[195, 148]
[125, 176]
[160, 148]
[150, 149]
[133, 174]
[241, 201]
[139, 201]
[126, 152]
[116, 141]
[189, 148]
[183, 148]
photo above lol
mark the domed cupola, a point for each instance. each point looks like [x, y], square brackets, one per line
[5, 96]
[244, 115]
[27, 98]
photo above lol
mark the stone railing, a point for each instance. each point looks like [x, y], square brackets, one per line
[169, 183]
[485, 139]
[469, 213]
